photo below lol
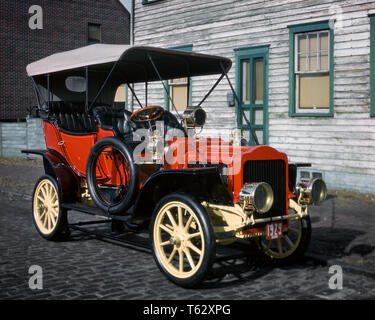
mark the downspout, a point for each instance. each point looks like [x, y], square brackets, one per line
[132, 43]
[132, 24]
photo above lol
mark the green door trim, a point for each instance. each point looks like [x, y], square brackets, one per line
[187, 48]
[372, 65]
[251, 53]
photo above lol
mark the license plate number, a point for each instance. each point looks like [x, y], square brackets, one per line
[274, 230]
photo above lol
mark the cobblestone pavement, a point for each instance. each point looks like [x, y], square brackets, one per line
[85, 267]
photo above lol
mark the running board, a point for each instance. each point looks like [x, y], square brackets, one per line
[95, 211]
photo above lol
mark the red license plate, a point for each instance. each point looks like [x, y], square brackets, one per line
[274, 230]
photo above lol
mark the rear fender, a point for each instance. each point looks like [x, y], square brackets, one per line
[56, 166]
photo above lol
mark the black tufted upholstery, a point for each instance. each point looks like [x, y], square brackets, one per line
[114, 119]
[72, 117]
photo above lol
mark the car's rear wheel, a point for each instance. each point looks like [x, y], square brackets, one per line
[49, 218]
[292, 245]
[183, 239]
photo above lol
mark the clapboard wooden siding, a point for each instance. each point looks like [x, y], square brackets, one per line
[343, 143]
[17, 136]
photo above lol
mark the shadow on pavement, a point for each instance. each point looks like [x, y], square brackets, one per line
[326, 241]
[332, 242]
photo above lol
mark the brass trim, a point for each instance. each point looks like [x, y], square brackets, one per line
[231, 220]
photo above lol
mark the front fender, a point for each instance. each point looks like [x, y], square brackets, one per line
[203, 183]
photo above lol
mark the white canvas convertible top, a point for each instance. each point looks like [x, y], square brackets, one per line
[135, 63]
[77, 58]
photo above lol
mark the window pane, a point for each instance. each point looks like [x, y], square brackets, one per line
[323, 37]
[258, 81]
[302, 43]
[312, 52]
[313, 91]
[245, 67]
[324, 62]
[180, 81]
[94, 33]
[259, 134]
[258, 117]
[313, 43]
[313, 60]
[180, 96]
[120, 94]
[302, 63]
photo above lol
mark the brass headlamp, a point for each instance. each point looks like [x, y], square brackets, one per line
[256, 196]
[311, 191]
[194, 117]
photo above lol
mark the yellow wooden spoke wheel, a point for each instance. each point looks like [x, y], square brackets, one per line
[49, 219]
[183, 239]
[293, 243]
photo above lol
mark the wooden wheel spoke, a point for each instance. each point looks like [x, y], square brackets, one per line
[53, 219]
[54, 197]
[293, 230]
[43, 193]
[194, 248]
[179, 213]
[269, 244]
[41, 215]
[189, 258]
[173, 253]
[53, 212]
[166, 229]
[171, 219]
[181, 261]
[288, 241]
[279, 247]
[188, 223]
[45, 219]
[48, 191]
[40, 199]
[49, 221]
[165, 243]
[194, 235]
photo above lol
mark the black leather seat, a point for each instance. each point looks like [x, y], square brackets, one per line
[72, 117]
[117, 120]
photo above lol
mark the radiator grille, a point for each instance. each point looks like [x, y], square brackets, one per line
[273, 172]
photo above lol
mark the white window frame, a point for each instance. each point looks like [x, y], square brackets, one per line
[298, 73]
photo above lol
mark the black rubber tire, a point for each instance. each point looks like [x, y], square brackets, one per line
[305, 240]
[209, 238]
[127, 200]
[60, 232]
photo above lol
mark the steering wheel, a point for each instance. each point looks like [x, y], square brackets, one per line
[147, 114]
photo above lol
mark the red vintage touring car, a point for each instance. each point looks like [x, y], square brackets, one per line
[147, 167]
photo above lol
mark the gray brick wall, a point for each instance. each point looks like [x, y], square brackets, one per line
[65, 27]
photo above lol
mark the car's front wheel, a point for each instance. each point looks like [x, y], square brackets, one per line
[183, 239]
[292, 245]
